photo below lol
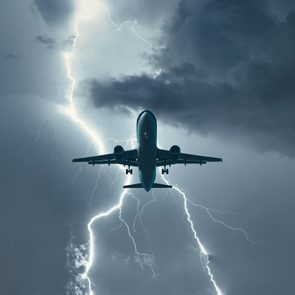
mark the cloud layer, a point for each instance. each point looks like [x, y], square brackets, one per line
[226, 69]
[55, 11]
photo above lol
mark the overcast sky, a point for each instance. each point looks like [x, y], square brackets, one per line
[219, 76]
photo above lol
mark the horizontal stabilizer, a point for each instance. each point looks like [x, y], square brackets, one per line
[160, 185]
[155, 185]
[137, 185]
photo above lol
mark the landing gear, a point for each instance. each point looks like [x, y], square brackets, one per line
[165, 170]
[129, 171]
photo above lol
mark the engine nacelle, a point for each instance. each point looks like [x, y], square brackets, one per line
[175, 151]
[118, 151]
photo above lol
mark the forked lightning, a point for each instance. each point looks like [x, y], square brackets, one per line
[86, 10]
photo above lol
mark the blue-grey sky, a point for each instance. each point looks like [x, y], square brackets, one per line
[218, 74]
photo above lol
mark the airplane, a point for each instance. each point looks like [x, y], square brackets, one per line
[147, 156]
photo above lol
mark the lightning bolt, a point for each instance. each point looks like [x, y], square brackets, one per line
[80, 165]
[204, 255]
[139, 217]
[133, 24]
[232, 228]
[141, 258]
[85, 11]
[37, 135]
[70, 110]
[95, 186]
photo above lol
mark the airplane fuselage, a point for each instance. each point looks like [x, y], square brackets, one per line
[146, 128]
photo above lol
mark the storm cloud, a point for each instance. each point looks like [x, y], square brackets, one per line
[10, 56]
[46, 40]
[226, 69]
[54, 11]
[221, 75]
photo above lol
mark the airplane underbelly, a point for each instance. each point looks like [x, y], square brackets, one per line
[147, 178]
[147, 167]
[147, 145]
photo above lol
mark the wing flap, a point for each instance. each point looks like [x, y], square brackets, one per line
[171, 162]
[126, 158]
[166, 158]
[95, 158]
[189, 157]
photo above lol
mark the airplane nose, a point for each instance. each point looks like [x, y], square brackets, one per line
[146, 116]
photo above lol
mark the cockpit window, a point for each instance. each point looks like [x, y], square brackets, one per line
[146, 135]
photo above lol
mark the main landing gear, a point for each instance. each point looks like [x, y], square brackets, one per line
[165, 170]
[129, 170]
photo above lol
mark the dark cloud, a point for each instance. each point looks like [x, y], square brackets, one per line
[226, 69]
[55, 11]
[46, 40]
[10, 56]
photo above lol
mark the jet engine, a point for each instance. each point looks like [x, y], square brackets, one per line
[175, 151]
[118, 151]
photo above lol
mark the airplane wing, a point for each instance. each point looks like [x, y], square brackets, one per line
[165, 157]
[125, 158]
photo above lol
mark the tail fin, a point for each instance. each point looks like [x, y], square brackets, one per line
[155, 185]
